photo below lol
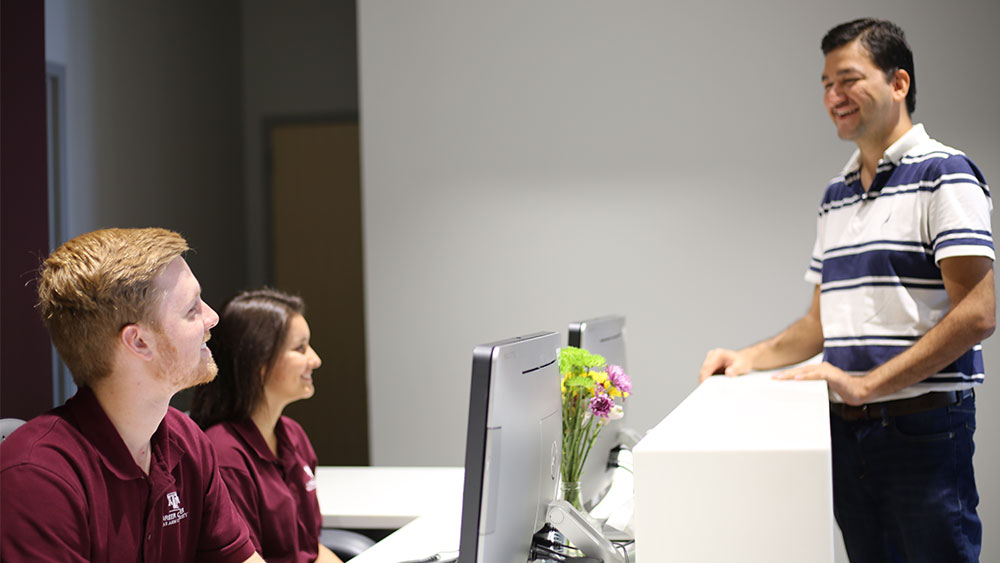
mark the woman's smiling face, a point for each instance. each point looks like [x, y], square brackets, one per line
[291, 377]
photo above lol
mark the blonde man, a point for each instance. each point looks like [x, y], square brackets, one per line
[116, 474]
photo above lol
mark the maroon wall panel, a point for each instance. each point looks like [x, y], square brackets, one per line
[25, 352]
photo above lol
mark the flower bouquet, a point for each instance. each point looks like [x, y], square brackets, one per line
[589, 390]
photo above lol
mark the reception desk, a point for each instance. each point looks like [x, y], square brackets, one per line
[739, 471]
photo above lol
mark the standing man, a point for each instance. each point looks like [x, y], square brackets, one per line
[903, 268]
[116, 474]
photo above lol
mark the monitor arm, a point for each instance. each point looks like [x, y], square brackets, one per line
[581, 533]
[629, 437]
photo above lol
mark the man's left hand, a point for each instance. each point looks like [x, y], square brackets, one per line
[851, 389]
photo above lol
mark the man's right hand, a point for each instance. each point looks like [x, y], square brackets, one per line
[722, 361]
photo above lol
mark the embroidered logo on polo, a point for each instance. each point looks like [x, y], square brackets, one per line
[311, 481]
[177, 512]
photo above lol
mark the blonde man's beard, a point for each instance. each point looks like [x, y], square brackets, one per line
[171, 372]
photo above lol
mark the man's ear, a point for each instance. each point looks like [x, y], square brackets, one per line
[900, 84]
[136, 340]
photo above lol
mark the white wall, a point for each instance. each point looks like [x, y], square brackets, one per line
[527, 164]
[153, 127]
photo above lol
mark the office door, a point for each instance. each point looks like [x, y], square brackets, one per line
[315, 196]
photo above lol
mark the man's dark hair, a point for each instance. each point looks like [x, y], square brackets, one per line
[885, 42]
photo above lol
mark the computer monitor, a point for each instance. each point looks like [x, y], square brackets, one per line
[512, 449]
[604, 336]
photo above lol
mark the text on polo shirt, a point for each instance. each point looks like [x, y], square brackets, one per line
[177, 512]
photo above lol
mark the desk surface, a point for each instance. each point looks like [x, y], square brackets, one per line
[427, 535]
[385, 498]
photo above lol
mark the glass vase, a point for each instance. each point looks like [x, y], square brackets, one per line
[571, 494]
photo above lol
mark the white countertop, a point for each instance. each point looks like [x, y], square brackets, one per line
[751, 412]
[385, 498]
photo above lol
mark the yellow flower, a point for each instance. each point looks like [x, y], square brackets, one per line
[599, 377]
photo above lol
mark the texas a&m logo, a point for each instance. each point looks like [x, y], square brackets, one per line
[177, 512]
[311, 479]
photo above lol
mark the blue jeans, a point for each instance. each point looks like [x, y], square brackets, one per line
[903, 486]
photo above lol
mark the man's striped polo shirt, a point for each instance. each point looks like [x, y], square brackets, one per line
[877, 255]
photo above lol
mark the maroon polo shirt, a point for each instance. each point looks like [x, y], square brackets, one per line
[72, 492]
[276, 494]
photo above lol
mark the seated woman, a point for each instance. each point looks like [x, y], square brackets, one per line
[261, 346]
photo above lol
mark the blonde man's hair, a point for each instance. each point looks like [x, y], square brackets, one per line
[96, 284]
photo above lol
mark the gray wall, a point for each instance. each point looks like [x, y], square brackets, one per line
[166, 104]
[153, 123]
[299, 61]
[527, 164]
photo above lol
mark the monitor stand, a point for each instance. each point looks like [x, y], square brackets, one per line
[581, 533]
[616, 510]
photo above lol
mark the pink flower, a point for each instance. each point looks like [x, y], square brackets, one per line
[601, 405]
[618, 378]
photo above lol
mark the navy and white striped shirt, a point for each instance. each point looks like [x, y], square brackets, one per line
[877, 256]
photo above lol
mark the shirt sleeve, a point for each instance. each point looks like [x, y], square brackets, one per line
[44, 517]
[959, 212]
[814, 274]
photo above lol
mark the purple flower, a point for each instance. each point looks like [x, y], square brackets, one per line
[601, 405]
[618, 378]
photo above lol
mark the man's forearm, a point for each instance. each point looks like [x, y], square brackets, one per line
[969, 322]
[802, 340]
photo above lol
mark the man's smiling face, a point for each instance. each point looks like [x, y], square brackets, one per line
[184, 359]
[857, 94]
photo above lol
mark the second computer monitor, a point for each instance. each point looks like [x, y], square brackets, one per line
[604, 336]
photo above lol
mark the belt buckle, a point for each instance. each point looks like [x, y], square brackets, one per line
[963, 395]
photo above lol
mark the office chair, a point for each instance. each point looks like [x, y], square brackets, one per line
[344, 543]
[8, 426]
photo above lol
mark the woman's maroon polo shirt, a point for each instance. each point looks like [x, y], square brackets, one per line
[72, 492]
[276, 494]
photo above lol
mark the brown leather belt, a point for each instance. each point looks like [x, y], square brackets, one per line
[914, 405]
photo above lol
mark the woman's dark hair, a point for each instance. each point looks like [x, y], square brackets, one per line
[885, 42]
[245, 344]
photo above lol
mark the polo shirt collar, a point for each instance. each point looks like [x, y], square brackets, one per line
[896, 151]
[250, 434]
[905, 144]
[168, 447]
[94, 423]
